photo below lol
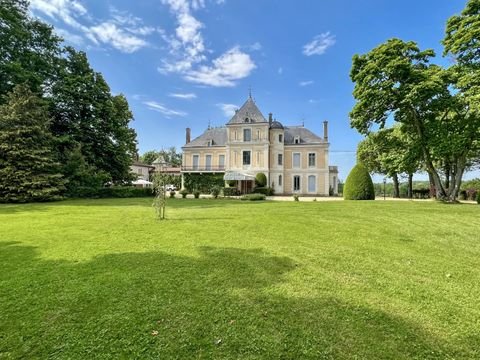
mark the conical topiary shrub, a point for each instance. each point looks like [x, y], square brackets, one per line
[359, 185]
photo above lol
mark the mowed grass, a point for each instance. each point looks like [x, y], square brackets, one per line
[224, 279]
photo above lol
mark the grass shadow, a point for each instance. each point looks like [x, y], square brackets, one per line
[224, 303]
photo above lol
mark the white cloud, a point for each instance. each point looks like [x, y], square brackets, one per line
[155, 106]
[187, 96]
[122, 31]
[319, 44]
[188, 51]
[255, 46]
[71, 38]
[228, 109]
[231, 66]
[110, 33]
[306, 83]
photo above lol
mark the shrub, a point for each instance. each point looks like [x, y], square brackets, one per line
[215, 192]
[478, 198]
[232, 183]
[264, 190]
[421, 193]
[123, 192]
[203, 182]
[359, 185]
[172, 194]
[253, 197]
[230, 191]
[196, 194]
[295, 197]
[261, 180]
[184, 193]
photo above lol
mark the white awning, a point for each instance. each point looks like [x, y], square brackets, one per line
[233, 175]
[141, 182]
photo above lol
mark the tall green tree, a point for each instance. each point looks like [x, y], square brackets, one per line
[29, 49]
[85, 113]
[171, 156]
[396, 81]
[28, 171]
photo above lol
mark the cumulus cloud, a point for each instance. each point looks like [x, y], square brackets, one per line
[155, 106]
[228, 109]
[306, 83]
[122, 31]
[186, 96]
[224, 71]
[319, 44]
[188, 51]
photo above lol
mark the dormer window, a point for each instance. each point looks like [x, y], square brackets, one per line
[296, 140]
[210, 143]
[247, 120]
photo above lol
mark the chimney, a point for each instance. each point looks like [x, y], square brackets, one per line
[270, 118]
[325, 130]
[187, 135]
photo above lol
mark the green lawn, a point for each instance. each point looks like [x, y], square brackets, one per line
[102, 279]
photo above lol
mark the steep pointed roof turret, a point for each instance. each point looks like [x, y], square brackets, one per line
[248, 113]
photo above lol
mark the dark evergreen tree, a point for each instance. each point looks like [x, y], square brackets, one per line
[28, 171]
[29, 49]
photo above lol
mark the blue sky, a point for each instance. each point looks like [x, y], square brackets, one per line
[190, 63]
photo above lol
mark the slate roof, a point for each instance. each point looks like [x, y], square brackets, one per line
[306, 136]
[217, 135]
[249, 111]
[276, 125]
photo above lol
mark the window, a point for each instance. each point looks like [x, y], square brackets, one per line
[280, 159]
[246, 157]
[195, 162]
[296, 160]
[208, 162]
[140, 171]
[311, 159]
[247, 135]
[296, 140]
[311, 183]
[279, 180]
[221, 161]
[258, 134]
[296, 183]
[236, 138]
[280, 138]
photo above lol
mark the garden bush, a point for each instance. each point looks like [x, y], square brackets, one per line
[124, 192]
[230, 191]
[295, 197]
[215, 192]
[203, 182]
[359, 185]
[196, 194]
[184, 193]
[478, 198]
[253, 197]
[172, 194]
[268, 191]
[261, 180]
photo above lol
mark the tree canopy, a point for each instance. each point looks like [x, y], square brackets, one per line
[437, 107]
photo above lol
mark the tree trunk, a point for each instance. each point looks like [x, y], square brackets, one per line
[432, 185]
[456, 179]
[447, 175]
[410, 186]
[396, 189]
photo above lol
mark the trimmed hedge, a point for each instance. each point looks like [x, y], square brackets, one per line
[253, 197]
[359, 185]
[261, 180]
[112, 192]
[264, 190]
[203, 182]
[231, 191]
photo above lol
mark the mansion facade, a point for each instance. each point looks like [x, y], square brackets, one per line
[294, 159]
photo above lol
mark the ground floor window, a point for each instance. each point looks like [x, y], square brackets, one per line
[311, 183]
[296, 183]
[279, 180]
[246, 157]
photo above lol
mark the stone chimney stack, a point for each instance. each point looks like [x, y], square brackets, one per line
[325, 130]
[187, 135]
[270, 118]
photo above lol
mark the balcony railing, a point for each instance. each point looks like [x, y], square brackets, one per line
[204, 168]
